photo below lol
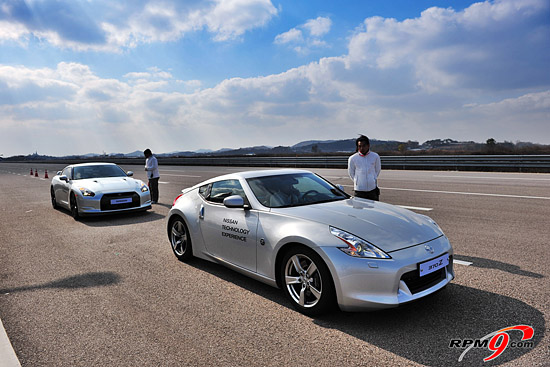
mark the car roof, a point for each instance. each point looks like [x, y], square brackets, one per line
[254, 174]
[93, 164]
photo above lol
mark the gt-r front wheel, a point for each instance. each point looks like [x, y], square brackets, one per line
[180, 239]
[74, 207]
[54, 201]
[306, 281]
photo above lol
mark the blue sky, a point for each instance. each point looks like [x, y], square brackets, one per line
[93, 76]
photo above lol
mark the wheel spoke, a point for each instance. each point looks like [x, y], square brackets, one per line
[311, 269]
[315, 292]
[302, 296]
[296, 263]
[292, 280]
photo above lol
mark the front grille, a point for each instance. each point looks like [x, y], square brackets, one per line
[106, 201]
[417, 283]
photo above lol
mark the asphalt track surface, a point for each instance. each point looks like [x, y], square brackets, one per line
[108, 291]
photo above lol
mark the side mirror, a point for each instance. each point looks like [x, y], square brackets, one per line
[129, 173]
[234, 201]
[64, 178]
[340, 187]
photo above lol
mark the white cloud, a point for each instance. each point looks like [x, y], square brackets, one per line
[116, 26]
[470, 75]
[292, 36]
[231, 18]
[315, 28]
[12, 31]
[318, 27]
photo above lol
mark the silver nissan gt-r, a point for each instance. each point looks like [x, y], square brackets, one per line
[294, 230]
[98, 188]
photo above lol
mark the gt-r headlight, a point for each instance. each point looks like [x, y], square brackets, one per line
[86, 192]
[358, 247]
[144, 187]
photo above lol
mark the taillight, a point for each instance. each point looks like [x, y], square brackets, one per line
[176, 199]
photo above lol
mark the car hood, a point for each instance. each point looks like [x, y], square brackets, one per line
[109, 184]
[388, 227]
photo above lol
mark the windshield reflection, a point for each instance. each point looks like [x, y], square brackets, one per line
[283, 191]
[97, 171]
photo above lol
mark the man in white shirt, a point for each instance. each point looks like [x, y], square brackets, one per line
[152, 168]
[363, 168]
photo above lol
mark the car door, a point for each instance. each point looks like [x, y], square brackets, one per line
[62, 188]
[229, 233]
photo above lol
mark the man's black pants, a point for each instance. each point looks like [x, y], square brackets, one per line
[154, 187]
[371, 195]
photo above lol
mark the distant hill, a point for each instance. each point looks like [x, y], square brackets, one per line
[343, 146]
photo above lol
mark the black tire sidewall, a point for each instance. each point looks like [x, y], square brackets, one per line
[54, 203]
[74, 212]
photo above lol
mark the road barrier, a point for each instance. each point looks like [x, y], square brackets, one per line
[509, 163]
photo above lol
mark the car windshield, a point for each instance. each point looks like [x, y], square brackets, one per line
[97, 171]
[283, 191]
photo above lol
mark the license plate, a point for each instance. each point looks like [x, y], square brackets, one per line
[430, 266]
[121, 201]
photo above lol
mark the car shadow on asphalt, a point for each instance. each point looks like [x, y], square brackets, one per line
[88, 280]
[242, 281]
[121, 219]
[479, 262]
[420, 331]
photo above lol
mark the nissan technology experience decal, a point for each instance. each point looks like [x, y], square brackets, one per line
[232, 231]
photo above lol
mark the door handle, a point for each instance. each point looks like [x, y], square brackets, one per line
[201, 212]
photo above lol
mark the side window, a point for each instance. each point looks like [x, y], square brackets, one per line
[204, 191]
[222, 189]
[67, 172]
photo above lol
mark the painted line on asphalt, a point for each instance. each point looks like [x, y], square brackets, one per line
[465, 193]
[337, 177]
[415, 208]
[494, 178]
[170, 174]
[470, 193]
[162, 182]
[460, 262]
[8, 358]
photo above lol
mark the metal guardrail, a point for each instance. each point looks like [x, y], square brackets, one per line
[519, 163]
[511, 163]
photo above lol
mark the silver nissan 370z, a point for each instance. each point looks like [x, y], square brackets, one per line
[294, 230]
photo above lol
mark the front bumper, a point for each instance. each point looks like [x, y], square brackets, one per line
[368, 284]
[102, 204]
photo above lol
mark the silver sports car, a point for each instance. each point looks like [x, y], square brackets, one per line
[98, 188]
[294, 230]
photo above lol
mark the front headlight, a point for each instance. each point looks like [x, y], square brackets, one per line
[358, 247]
[144, 187]
[86, 192]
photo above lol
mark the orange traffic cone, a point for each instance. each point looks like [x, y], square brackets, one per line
[32, 172]
[35, 173]
[46, 174]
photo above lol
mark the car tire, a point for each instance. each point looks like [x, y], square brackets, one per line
[52, 194]
[180, 240]
[74, 207]
[306, 281]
